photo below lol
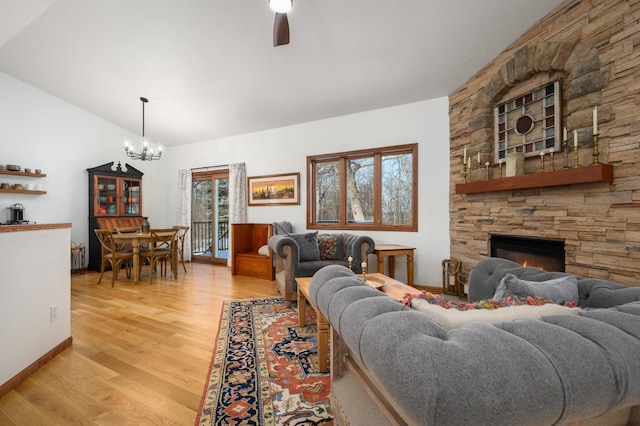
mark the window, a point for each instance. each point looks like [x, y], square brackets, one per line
[367, 189]
[529, 123]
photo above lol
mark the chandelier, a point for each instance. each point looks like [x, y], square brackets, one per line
[146, 153]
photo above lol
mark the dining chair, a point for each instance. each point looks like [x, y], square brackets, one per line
[162, 248]
[126, 230]
[111, 254]
[182, 233]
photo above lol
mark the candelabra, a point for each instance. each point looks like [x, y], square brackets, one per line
[552, 165]
[486, 165]
[542, 161]
[364, 271]
[500, 167]
[575, 156]
[596, 153]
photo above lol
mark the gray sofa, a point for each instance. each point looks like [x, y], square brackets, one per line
[296, 256]
[593, 292]
[557, 369]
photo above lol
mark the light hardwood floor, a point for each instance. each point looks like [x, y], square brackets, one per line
[140, 353]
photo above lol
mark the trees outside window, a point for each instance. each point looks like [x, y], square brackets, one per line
[366, 189]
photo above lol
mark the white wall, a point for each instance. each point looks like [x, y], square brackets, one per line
[38, 130]
[284, 150]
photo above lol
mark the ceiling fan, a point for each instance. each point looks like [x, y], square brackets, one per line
[281, 24]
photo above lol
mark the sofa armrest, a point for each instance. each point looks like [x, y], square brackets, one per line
[287, 262]
[359, 247]
[286, 248]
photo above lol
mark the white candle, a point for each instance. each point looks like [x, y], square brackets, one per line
[350, 258]
[478, 158]
[542, 153]
[487, 164]
[564, 134]
[575, 138]
[363, 265]
[595, 120]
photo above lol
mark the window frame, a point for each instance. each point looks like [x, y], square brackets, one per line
[342, 158]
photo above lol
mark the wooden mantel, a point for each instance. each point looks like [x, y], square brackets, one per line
[573, 176]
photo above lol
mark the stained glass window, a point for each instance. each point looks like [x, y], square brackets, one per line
[530, 123]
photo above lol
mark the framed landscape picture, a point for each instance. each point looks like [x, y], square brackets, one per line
[274, 190]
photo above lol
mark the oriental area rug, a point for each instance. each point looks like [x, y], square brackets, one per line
[264, 368]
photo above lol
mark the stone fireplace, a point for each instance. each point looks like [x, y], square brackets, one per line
[593, 49]
[543, 253]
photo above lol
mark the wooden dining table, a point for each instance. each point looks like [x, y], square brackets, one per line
[137, 238]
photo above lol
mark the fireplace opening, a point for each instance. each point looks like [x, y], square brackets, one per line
[543, 253]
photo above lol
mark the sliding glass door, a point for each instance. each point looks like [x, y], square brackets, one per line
[210, 216]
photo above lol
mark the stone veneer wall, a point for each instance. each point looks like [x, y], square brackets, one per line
[594, 46]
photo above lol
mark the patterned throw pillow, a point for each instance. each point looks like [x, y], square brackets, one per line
[307, 245]
[330, 246]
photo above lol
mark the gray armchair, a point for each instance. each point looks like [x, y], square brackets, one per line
[302, 255]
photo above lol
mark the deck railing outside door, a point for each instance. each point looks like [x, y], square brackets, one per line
[201, 237]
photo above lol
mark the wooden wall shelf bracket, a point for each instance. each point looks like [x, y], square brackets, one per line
[572, 176]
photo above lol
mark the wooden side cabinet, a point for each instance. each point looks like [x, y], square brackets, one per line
[115, 199]
[246, 240]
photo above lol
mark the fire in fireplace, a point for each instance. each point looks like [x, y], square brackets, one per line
[544, 253]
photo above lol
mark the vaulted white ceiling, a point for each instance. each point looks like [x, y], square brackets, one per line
[209, 68]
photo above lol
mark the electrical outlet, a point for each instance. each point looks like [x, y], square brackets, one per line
[53, 313]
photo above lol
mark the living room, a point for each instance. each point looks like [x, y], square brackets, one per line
[599, 221]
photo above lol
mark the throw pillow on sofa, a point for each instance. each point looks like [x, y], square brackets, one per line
[330, 246]
[562, 290]
[307, 245]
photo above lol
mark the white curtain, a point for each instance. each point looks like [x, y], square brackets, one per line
[237, 197]
[183, 205]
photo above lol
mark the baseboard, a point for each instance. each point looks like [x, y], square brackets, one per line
[34, 366]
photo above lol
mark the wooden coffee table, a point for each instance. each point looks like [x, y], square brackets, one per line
[391, 287]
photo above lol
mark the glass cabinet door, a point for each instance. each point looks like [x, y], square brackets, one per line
[107, 196]
[131, 197]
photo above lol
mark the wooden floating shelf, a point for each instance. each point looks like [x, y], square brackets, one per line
[11, 172]
[573, 176]
[21, 191]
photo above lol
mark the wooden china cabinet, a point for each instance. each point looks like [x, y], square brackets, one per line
[115, 200]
